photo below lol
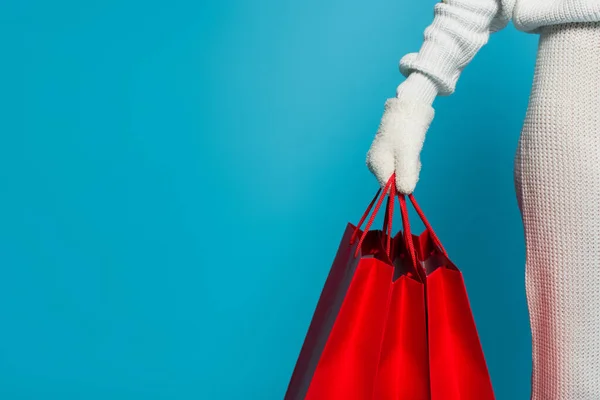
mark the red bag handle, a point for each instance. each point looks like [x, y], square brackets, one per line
[407, 233]
[434, 237]
[406, 225]
[389, 218]
[389, 187]
[365, 215]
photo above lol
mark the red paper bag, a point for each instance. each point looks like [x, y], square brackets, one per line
[458, 370]
[341, 350]
[403, 372]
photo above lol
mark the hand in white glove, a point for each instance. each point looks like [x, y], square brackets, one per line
[399, 139]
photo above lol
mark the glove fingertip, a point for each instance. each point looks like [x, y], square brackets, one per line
[381, 164]
[405, 186]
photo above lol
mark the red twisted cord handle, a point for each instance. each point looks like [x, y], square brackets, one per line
[387, 221]
[407, 233]
[434, 237]
[390, 219]
[377, 201]
[388, 186]
[365, 215]
[406, 225]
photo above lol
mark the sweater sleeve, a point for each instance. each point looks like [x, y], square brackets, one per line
[459, 29]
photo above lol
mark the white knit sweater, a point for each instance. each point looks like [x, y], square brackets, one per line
[461, 27]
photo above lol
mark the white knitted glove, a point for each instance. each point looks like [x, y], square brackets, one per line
[399, 139]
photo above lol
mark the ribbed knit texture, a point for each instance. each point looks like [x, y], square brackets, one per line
[461, 27]
[458, 31]
[557, 179]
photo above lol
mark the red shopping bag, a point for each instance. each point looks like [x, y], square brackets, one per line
[458, 370]
[403, 372]
[340, 354]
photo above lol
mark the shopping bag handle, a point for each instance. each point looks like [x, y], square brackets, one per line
[387, 222]
[407, 233]
[432, 233]
[406, 226]
[390, 190]
[365, 215]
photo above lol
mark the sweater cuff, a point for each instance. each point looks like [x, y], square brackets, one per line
[417, 87]
[436, 63]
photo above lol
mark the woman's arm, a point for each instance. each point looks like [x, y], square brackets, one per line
[459, 29]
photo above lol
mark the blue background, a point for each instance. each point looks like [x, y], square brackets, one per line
[175, 177]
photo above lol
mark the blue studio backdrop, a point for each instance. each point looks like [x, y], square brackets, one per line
[176, 176]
